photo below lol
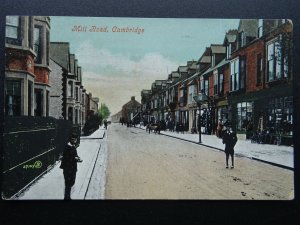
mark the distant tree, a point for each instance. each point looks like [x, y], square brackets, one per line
[104, 111]
[92, 124]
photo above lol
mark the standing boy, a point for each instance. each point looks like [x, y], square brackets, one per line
[229, 139]
[69, 165]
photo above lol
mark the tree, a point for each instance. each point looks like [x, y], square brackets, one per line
[104, 111]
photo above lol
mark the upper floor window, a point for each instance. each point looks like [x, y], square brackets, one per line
[192, 93]
[213, 59]
[47, 46]
[259, 69]
[12, 29]
[70, 89]
[260, 28]
[277, 63]
[37, 38]
[242, 39]
[234, 75]
[76, 93]
[206, 86]
[229, 50]
[216, 82]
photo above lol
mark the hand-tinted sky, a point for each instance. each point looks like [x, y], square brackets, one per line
[118, 65]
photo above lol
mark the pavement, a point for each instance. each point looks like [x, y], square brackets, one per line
[282, 156]
[51, 184]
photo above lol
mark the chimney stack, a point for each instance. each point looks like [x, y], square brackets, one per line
[132, 98]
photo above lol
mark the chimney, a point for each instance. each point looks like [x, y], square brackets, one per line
[132, 98]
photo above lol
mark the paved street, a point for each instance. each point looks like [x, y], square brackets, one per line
[130, 163]
[152, 166]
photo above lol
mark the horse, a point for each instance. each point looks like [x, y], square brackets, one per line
[153, 126]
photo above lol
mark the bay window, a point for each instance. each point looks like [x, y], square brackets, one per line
[13, 98]
[37, 39]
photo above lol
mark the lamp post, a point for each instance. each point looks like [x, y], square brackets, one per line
[200, 99]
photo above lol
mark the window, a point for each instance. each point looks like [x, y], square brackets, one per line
[70, 89]
[260, 28]
[280, 114]
[242, 75]
[38, 43]
[234, 75]
[47, 103]
[206, 86]
[192, 93]
[202, 86]
[216, 80]
[221, 83]
[38, 103]
[30, 85]
[242, 39]
[47, 47]
[259, 69]
[76, 93]
[229, 50]
[13, 98]
[213, 58]
[277, 66]
[244, 115]
[12, 30]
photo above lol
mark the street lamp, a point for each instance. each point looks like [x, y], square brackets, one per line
[200, 99]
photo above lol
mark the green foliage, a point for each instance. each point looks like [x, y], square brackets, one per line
[104, 111]
[92, 124]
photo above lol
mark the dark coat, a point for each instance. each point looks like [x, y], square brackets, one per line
[229, 139]
[69, 159]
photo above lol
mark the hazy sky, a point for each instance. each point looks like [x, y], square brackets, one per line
[118, 65]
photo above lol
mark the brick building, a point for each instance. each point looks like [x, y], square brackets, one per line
[27, 65]
[247, 79]
[130, 109]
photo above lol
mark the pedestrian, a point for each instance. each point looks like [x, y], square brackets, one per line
[229, 139]
[69, 165]
[105, 124]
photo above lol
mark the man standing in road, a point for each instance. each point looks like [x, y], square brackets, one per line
[69, 165]
[229, 139]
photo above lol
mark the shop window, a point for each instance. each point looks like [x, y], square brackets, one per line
[280, 114]
[244, 115]
[13, 98]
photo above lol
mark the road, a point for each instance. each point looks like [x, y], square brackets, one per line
[152, 166]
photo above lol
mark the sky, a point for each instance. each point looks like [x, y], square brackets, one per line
[117, 65]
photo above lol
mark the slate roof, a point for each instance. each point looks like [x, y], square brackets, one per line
[217, 48]
[59, 52]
